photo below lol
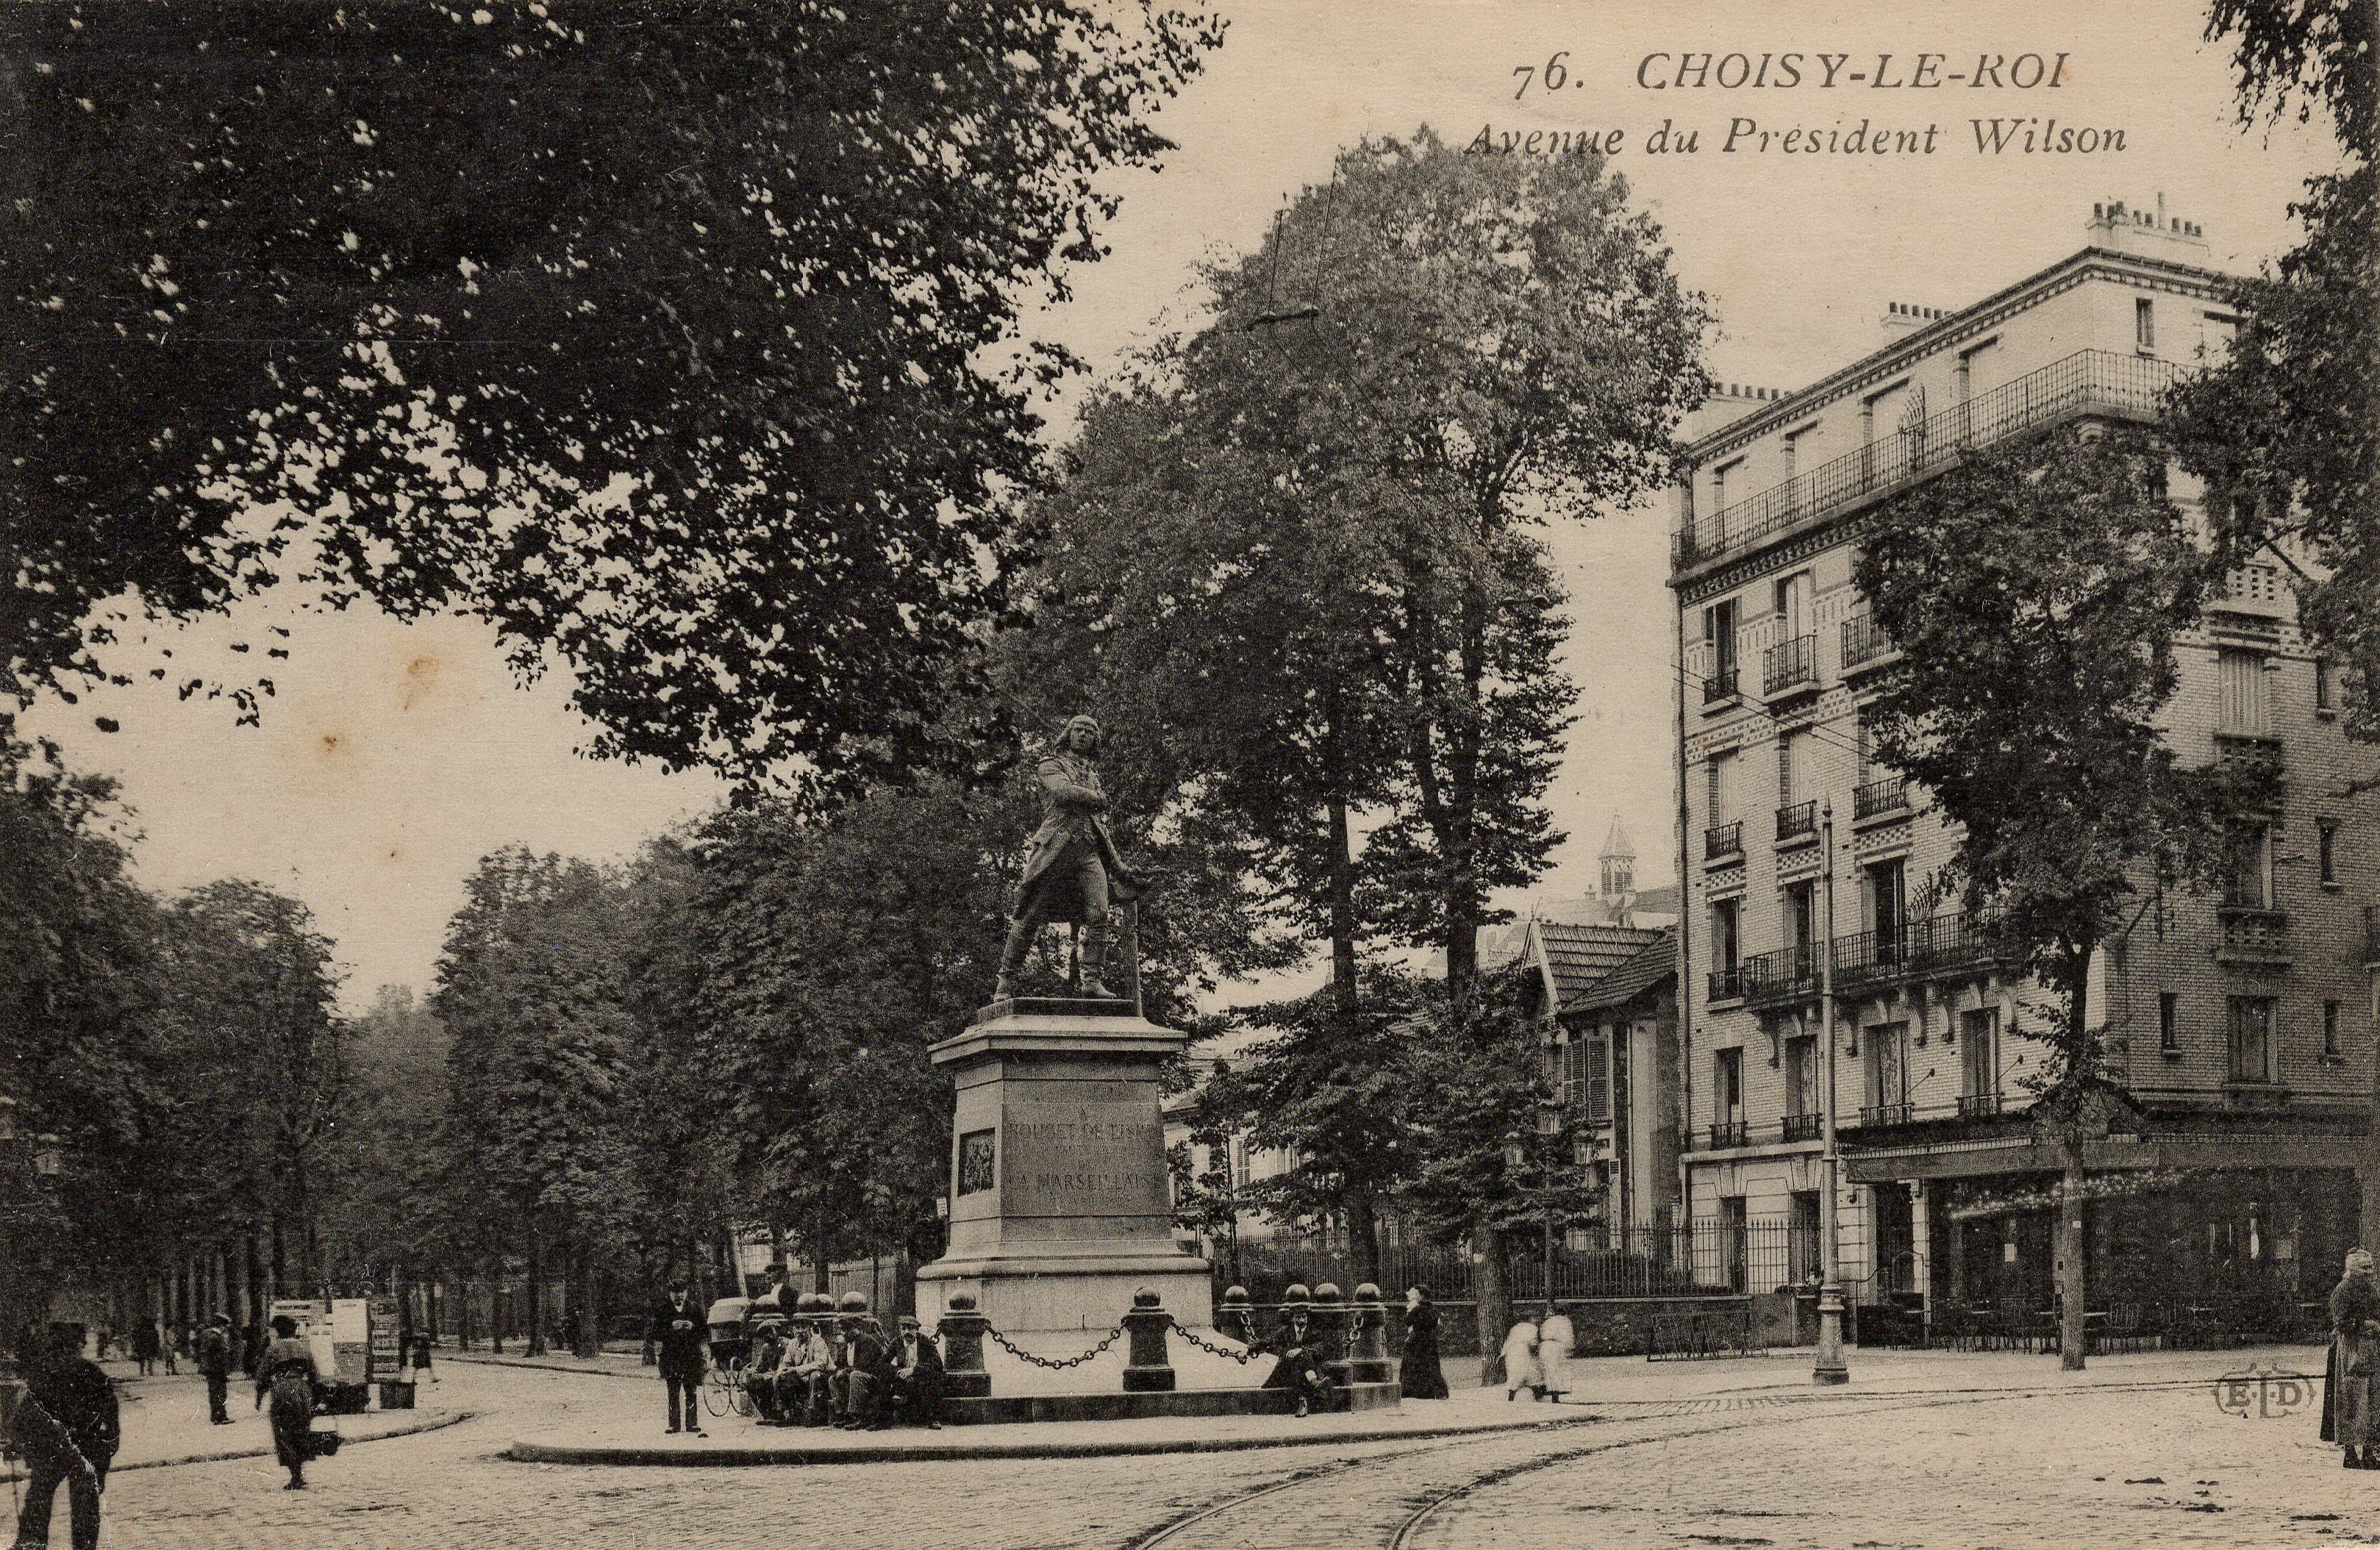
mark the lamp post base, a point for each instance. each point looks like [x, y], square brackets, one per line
[1830, 1368]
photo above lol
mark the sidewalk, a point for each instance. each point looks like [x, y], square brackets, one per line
[1608, 1388]
[165, 1423]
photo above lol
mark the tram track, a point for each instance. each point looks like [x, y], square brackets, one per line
[1398, 1527]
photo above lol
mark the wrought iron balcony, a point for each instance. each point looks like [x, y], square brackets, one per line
[1877, 798]
[1914, 947]
[1789, 971]
[1723, 838]
[1978, 1106]
[2087, 381]
[1730, 1132]
[1790, 664]
[1800, 1127]
[1797, 820]
[1726, 984]
[1888, 1114]
[1719, 685]
[1863, 641]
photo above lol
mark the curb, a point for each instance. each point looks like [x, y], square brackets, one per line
[530, 1451]
[414, 1429]
[535, 1365]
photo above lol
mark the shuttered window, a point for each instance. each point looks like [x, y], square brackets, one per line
[2245, 707]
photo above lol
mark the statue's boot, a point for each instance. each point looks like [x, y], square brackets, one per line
[1095, 957]
[1012, 958]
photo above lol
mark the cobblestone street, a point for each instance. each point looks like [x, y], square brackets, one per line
[2152, 1461]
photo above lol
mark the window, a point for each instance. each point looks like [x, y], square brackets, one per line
[2330, 1028]
[1791, 594]
[2323, 690]
[1599, 1083]
[2326, 849]
[1719, 639]
[1726, 948]
[1802, 1235]
[2245, 707]
[1979, 1053]
[2144, 324]
[1887, 1064]
[1718, 483]
[2168, 1021]
[2247, 872]
[1722, 767]
[1726, 1086]
[1886, 902]
[2252, 1038]
[1801, 1074]
[1801, 922]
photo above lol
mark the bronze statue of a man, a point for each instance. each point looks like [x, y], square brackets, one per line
[1071, 871]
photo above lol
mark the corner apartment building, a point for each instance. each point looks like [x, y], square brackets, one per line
[2244, 1020]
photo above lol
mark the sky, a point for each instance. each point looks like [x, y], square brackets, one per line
[394, 754]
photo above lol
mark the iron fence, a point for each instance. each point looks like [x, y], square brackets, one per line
[1790, 662]
[1723, 838]
[1705, 1257]
[1874, 797]
[1797, 819]
[1863, 640]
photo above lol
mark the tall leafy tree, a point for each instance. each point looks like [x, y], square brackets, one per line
[2286, 426]
[683, 342]
[1447, 350]
[2036, 592]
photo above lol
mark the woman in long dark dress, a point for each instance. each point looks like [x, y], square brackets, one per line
[287, 1371]
[1419, 1372]
[2347, 1390]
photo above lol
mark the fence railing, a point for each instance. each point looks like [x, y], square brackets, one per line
[1719, 685]
[1788, 662]
[1863, 640]
[1700, 1258]
[1797, 819]
[2084, 381]
[1723, 838]
[1876, 798]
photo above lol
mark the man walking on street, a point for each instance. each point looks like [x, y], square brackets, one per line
[677, 1335]
[214, 1363]
[67, 1429]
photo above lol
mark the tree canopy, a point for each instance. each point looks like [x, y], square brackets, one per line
[683, 342]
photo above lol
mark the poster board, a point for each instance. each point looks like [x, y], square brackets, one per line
[385, 1359]
[350, 1335]
[313, 1317]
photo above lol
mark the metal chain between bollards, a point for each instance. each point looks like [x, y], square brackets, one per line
[1243, 1358]
[1001, 1340]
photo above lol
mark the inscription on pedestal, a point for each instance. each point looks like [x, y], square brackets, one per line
[1097, 1159]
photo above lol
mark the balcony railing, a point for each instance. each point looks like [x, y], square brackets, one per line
[1863, 641]
[1723, 838]
[1719, 685]
[1888, 1114]
[2256, 753]
[1727, 985]
[2255, 932]
[1879, 797]
[1730, 1132]
[2083, 383]
[1800, 1127]
[1788, 662]
[1788, 970]
[1800, 819]
[1978, 1106]
[1915, 946]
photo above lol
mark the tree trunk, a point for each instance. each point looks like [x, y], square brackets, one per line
[536, 1298]
[1363, 1227]
[590, 1303]
[2073, 1293]
[1495, 1301]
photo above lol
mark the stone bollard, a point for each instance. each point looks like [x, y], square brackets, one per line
[961, 1331]
[1330, 1331]
[1146, 1369]
[1367, 1339]
[1235, 1318]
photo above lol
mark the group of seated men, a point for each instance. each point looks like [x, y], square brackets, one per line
[835, 1366]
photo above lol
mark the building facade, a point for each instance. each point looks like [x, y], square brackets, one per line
[2243, 1022]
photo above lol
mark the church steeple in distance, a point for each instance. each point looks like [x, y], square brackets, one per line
[1618, 861]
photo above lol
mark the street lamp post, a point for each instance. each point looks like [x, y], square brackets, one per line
[1550, 1115]
[1830, 1368]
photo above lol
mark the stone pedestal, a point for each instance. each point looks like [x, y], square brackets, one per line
[1060, 1209]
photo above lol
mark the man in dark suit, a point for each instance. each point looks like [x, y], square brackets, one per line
[67, 1429]
[917, 1375]
[214, 1364]
[677, 1335]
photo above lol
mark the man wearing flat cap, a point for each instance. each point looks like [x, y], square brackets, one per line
[1071, 867]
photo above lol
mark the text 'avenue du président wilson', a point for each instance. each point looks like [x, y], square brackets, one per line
[2027, 136]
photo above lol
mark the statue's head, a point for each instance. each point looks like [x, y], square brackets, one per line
[1080, 735]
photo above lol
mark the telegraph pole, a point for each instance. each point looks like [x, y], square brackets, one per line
[1830, 1368]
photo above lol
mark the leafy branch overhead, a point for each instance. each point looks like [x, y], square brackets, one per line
[683, 342]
